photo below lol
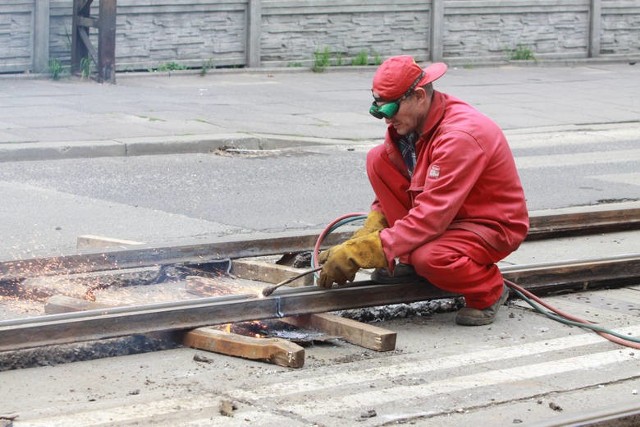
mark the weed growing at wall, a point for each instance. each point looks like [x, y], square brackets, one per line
[206, 66]
[55, 69]
[171, 66]
[521, 53]
[85, 67]
[321, 60]
[362, 58]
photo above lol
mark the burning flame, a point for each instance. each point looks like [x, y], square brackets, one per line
[255, 329]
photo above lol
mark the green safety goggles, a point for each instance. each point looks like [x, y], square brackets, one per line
[390, 109]
[384, 111]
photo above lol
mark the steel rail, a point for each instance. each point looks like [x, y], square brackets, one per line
[550, 225]
[543, 226]
[121, 321]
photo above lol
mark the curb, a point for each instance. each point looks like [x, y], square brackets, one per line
[146, 146]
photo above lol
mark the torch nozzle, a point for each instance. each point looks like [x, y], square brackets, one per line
[270, 289]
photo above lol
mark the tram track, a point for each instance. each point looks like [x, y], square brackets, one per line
[109, 322]
[523, 367]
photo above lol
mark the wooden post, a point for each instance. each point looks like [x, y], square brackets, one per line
[79, 50]
[107, 41]
[81, 47]
[595, 19]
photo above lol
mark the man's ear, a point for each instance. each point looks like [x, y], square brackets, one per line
[420, 93]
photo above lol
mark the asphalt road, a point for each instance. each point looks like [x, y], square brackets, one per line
[575, 143]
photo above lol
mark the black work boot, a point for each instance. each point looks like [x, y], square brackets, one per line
[468, 316]
[402, 273]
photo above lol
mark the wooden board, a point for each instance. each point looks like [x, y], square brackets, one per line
[253, 269]
[273, 350]
[89, 241]
[210, 286]
[352, 331]
[65, 304]
[82, 285]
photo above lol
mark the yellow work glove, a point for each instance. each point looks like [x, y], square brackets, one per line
[341, 262]
[375, 222]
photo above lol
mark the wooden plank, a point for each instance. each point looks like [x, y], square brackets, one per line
[86, 21]
[252, 269]
[352, 331]
[40, 288]
[89, 241]
[86, 41]
[208, 287]
[82, 285]
[273, 350]
[64, 304]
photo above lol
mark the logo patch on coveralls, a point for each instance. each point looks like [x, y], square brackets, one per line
[434, 172]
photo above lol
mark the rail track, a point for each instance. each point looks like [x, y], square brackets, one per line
[522, 368]
[245, 305]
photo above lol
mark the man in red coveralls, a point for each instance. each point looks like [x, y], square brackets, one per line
[449, 203]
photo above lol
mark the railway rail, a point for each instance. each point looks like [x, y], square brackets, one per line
[17, 334]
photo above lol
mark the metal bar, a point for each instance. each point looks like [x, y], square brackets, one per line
[120, 321]
[543, 227]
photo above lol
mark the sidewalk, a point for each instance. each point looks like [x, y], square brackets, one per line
[165, 113]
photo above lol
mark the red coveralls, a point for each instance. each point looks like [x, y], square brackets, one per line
[463, 209]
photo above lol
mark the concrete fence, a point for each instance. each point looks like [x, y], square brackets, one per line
[263, 33]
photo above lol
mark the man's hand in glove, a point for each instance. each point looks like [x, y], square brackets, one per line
[375, 222]
[341, 262]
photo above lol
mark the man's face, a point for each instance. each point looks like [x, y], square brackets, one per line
[411, 114]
